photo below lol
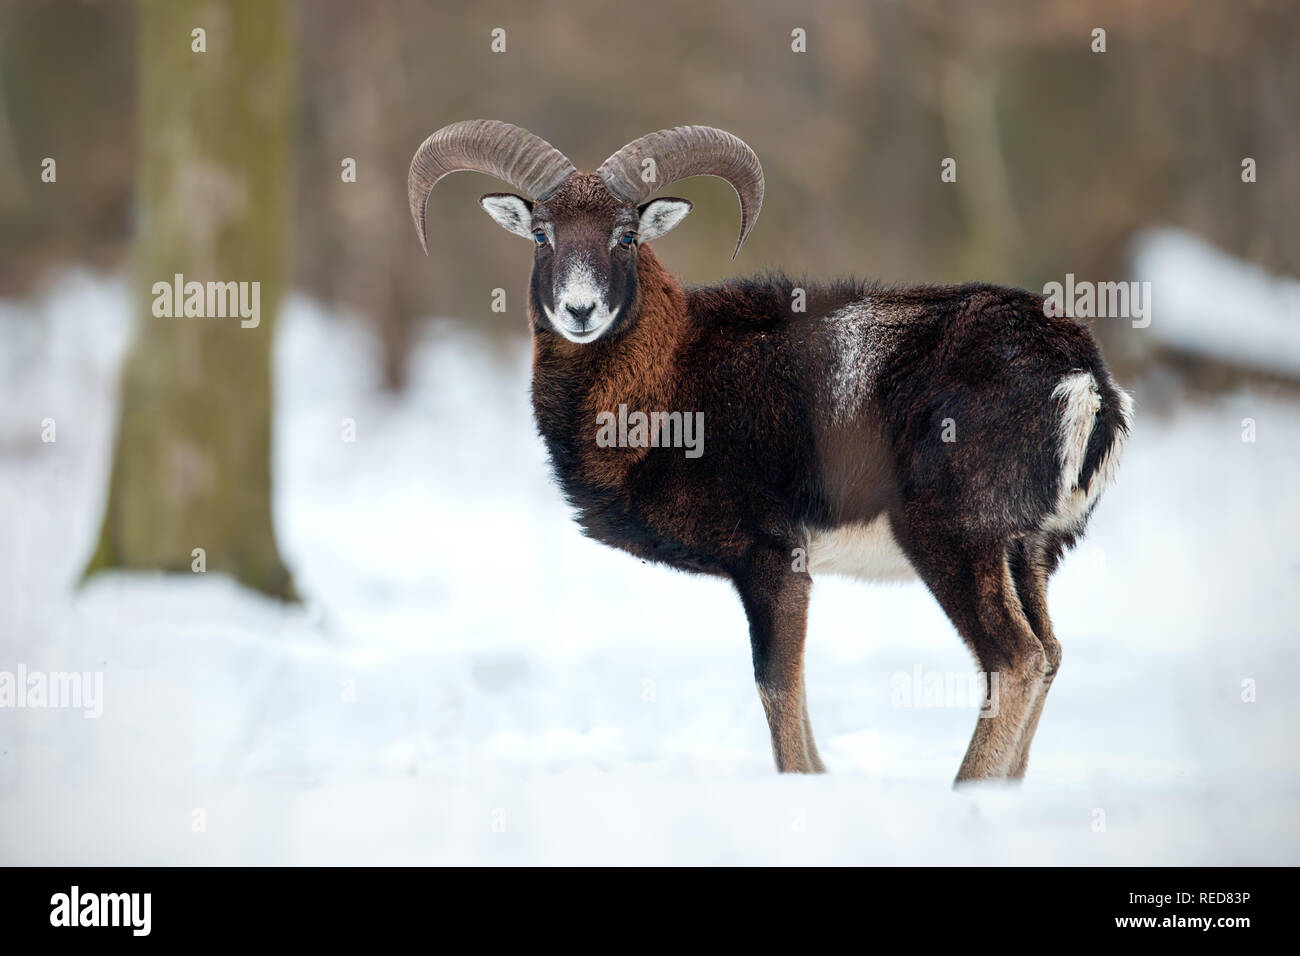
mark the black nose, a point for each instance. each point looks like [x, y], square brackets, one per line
[581, 313]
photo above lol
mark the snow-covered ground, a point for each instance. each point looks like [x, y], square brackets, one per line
[471, 681]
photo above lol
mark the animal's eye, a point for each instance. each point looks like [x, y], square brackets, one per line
[627, 238]
[540, 236]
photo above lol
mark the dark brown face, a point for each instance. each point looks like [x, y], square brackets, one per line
[584, 279]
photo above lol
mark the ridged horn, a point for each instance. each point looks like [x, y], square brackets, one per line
[688, 151]
[510, 153]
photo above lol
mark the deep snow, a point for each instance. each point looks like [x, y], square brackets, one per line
[524, 695]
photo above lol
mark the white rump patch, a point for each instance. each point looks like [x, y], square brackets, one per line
[867, 551]
[1080, 403]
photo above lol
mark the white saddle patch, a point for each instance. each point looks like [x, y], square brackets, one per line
[866, 551]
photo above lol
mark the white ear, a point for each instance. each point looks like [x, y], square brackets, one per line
[512, 213]
[660, 215]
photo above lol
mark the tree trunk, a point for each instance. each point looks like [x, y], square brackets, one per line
[191, 466]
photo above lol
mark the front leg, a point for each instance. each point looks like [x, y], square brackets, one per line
[776, 603]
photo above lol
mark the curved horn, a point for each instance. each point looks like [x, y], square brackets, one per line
[688, 151]
[511, 154]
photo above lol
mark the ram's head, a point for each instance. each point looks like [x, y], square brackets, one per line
[586, 227]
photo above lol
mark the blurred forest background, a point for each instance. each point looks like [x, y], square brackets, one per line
[230, 163]
[458, 649]
[1062, 153]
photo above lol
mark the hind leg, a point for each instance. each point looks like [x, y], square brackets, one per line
[813, 757]
[1030, 566]
[973, 583]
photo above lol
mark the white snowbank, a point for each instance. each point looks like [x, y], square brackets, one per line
[524, 695]
[1210, 303]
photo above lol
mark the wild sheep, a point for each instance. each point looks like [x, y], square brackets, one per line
[955, 433]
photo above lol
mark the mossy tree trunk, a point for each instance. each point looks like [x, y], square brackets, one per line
[192, 461]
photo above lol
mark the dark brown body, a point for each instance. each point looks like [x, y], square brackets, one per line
[958, 434]
[832, 417]
[783, 453]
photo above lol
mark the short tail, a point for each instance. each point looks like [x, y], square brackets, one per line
[1109, 432]
[1096, 417]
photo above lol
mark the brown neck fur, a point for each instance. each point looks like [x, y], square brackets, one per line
[635, 368]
